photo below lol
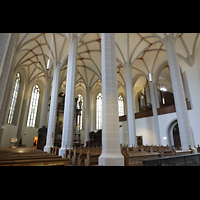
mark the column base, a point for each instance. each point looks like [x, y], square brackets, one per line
[194, 150]
[47, 149]
[111, 159]
[62, 152]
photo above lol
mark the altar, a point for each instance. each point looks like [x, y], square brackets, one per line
[59, 124]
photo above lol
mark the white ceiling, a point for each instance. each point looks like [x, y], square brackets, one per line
[143, 50]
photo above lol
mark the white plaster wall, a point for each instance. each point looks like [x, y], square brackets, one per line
[144, 128]
[10, 131]
[28, 136]
[164, 122]
[123, 133]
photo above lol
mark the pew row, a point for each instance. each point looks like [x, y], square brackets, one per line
[133, 156]
[88, 156]
[30, 157]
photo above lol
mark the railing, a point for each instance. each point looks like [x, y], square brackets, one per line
[183, 160]
[161, 111]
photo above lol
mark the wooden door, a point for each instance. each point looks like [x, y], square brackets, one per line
[176, 137]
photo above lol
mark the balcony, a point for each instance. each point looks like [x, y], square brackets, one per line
[161, 111]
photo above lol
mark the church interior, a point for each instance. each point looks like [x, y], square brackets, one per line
[119, 99]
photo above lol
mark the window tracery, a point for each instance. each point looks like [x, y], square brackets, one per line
[32, 113]
[80, 106]
[99, 111]
[14, 98]
[121, 105]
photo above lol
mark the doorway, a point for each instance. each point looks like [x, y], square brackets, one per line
[176, 137]
[139, 140]
[173, 135]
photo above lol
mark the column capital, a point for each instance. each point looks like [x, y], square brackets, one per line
[168, 40]
[88, 89]
[48, 79]
[127, 65]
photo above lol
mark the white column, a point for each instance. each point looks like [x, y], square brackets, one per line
[43, 121]
[156, 95]
[53, 110]
[7, 41]
[179, 96]
[130, 106]
[111, 153]
[155, 113]
[87, 116]
[68, 119]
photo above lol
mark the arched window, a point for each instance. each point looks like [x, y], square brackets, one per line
[121, 105]
[80, 99]
[32, 113]
[99, 111]
[13, 99]
[162, 87]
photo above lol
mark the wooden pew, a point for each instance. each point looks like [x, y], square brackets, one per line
[93, 156]
[36, 162]
[167, 152]
[30, 157]
[133, 158]
[78, 155]
[74, 157]
[55, 150]
[82, 156]
[183, 152]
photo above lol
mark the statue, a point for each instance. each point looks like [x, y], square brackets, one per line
[76, 99]
[80, 104]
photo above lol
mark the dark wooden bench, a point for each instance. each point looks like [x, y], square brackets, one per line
[30, 157]
[36, 162]
[93, 156]
[80, 154]
[133, 158]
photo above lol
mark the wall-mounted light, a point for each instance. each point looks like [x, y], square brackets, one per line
[48, 64]
[150, 77]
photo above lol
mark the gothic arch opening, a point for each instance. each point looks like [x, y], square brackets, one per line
[173, 135]
[141, 93]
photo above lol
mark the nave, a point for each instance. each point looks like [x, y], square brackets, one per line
[132, 86]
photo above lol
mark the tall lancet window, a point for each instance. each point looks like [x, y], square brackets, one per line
[121, 105]
[32, 113]
[13, 99]
[80, 106]
[99, 111]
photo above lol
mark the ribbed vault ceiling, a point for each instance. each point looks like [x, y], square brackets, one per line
[144, 51]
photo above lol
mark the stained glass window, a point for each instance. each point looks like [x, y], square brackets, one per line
[99, 111]
[121, 105]
[79, 121]
[162, 87]
[32, 113]
[13, 99]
